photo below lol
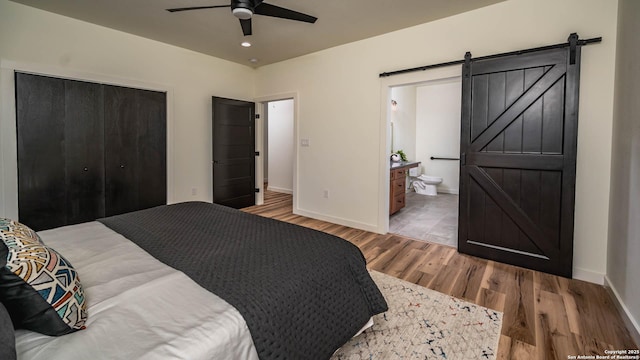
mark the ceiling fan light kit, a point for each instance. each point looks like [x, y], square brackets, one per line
[245, 9]
[242, 13]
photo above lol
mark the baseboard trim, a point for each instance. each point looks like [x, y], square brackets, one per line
[337, 220]
[627, 317]
[280, 190]
[449, 191]
[588, 276]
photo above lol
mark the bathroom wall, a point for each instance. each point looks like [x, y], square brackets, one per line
[438, 130]
[404, 120]
[280, 130]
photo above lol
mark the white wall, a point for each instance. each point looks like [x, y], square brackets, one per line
[280, 129]
[404, 120]
[623, 267]
[340, 108]
[43, 42]
[438, 130]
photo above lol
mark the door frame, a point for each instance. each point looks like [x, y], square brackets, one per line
[385, 129]
[261, 109]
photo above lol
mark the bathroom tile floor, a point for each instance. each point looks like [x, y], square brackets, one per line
[428, 218]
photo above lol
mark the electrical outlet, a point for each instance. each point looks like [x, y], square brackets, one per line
[194, 191]
[326, 193]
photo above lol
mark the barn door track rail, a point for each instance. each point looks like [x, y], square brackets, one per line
[573, 41]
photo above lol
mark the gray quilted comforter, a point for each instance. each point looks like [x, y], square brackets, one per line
[303, 293]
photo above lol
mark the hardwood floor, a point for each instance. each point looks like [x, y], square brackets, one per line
[545, 316]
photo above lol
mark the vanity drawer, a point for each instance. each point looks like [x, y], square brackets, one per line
[397, 203]
[398, 187]
[398, 174]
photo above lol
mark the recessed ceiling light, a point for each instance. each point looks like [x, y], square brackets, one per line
[253, 60]
[245, 44]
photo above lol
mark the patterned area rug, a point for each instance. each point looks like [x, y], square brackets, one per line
[425, 324]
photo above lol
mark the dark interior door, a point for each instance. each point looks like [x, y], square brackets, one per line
[135, 149]
[233, 152]
[60, 147]
[518, 152]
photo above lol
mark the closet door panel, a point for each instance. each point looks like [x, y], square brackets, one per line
[135, 149]
[40, 128]
[152, 152]
[84, 144]
[121, 146]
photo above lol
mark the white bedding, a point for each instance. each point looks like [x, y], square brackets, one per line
[138, 307]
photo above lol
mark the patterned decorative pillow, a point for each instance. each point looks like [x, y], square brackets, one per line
[39, 287]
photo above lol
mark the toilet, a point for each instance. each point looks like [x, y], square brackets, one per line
[426, 185]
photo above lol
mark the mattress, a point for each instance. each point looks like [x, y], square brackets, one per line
[139, 308]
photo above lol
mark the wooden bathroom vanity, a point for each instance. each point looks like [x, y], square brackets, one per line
[398, 184]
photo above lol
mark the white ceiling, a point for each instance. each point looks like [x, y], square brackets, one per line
[218, 33]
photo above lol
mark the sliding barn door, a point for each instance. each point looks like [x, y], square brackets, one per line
[518, 159]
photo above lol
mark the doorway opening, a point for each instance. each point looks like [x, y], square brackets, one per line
[278, 146]
[276, 143]
[423, 122]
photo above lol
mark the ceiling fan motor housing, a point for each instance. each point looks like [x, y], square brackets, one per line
[242, 9]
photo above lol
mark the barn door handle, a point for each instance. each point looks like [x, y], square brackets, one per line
[463, 159]
[86, 169]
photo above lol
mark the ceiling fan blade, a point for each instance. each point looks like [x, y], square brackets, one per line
[246, 26]
[276, 11]
[197, 8]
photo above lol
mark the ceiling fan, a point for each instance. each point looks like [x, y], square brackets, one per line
[245, 9]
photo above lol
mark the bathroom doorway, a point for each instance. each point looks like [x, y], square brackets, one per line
[425, 124]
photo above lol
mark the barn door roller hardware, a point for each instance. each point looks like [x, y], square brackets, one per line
[573, 42]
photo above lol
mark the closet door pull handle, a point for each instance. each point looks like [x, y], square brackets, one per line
[121, 166]
[86, 169]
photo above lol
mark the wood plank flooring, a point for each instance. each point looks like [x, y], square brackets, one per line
[545, 316]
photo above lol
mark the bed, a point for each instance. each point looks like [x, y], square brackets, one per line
[202, 281]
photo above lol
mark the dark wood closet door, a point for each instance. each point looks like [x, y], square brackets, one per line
[518, 146]
[233, 152]
[60, 164]
[84, 155]
[135, 149]
[41, 164]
